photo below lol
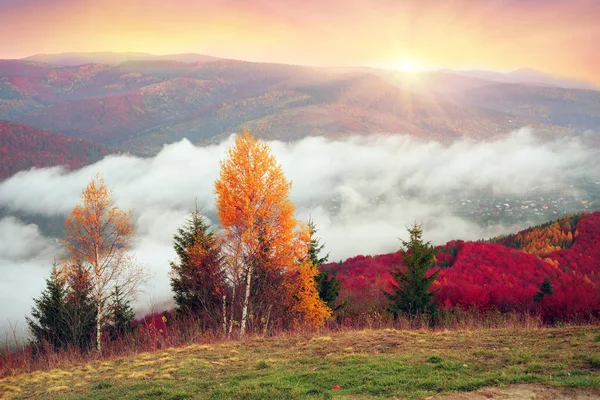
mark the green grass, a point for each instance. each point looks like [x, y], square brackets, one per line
[365, 364]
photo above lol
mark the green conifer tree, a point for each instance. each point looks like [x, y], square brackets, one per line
[197, 278]
[328, 286]
[80, 307]
[545, 288]
[411, 292]
[121, 315]
[49, 322]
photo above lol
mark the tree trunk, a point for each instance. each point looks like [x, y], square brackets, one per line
[265, 329]
[99, 328]
[232, 313]
[224, 314]
[99, 293]
[246, 302]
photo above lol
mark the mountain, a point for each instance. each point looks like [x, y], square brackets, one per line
[527, 76]
[23, 147]
[577, 108]
[504, 273]
[112, 58]
[139, 105]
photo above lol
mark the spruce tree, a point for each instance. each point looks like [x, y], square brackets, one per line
[80, 307]
[197, 277]
[328, 286]
[121, 315]
[411, 292]
[49, 322]
[545, 288]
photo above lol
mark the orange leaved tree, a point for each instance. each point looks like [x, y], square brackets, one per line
[98, 234]
[308, 306]
[260, 235]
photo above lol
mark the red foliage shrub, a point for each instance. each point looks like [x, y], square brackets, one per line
[491, 276]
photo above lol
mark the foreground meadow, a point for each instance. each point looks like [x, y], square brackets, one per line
[364, 364]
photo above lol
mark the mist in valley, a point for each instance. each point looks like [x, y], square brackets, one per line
[362, 192]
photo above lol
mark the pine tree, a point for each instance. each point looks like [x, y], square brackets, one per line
[197, 278]
[49, 318]
[410, 294]
[121, 315]
[545, 288]
[328, 286]
[80, 307]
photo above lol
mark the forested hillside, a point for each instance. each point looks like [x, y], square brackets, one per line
[504, 273]
[23, 147]
[141, 104]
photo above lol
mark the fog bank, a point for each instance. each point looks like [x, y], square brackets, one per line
[362, 192]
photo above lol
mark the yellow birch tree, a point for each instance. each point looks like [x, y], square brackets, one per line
[99, 234]
[257, 221]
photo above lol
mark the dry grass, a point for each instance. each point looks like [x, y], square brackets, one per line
[366, 363]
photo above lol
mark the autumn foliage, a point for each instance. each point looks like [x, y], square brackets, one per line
[543, 239]
[98, 234]
[253, 201]
[258, 272]
[263, 241]
[23, 147]
[306, 303]
[500, 275]
[97, 231]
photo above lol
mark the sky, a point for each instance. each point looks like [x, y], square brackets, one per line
[412, 179]
[558, 36]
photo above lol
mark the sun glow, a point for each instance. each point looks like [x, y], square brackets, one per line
[408, 65]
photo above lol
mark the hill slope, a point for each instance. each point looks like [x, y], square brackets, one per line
[23, 147]
[550, 105]
[504, 275]
[141, 104]
[362, 364]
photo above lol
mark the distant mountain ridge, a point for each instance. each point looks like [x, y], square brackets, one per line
[525, 76]
[521, 75]
[113, 58]
[140, 105]
[140, 102]
[578, 108]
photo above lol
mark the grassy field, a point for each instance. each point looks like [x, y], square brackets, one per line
[364, 364]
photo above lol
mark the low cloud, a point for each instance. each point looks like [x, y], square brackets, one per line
[362, 192]
[25, 260]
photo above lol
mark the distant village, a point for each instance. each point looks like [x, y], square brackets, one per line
[538, 205]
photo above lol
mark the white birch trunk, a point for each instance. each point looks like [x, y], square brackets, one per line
[246, 303]
[232, 313]
[99, 327]
[225, 314]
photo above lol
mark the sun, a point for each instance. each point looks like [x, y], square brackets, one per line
[408, 65]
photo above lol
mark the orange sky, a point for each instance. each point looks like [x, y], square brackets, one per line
[557, 36]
